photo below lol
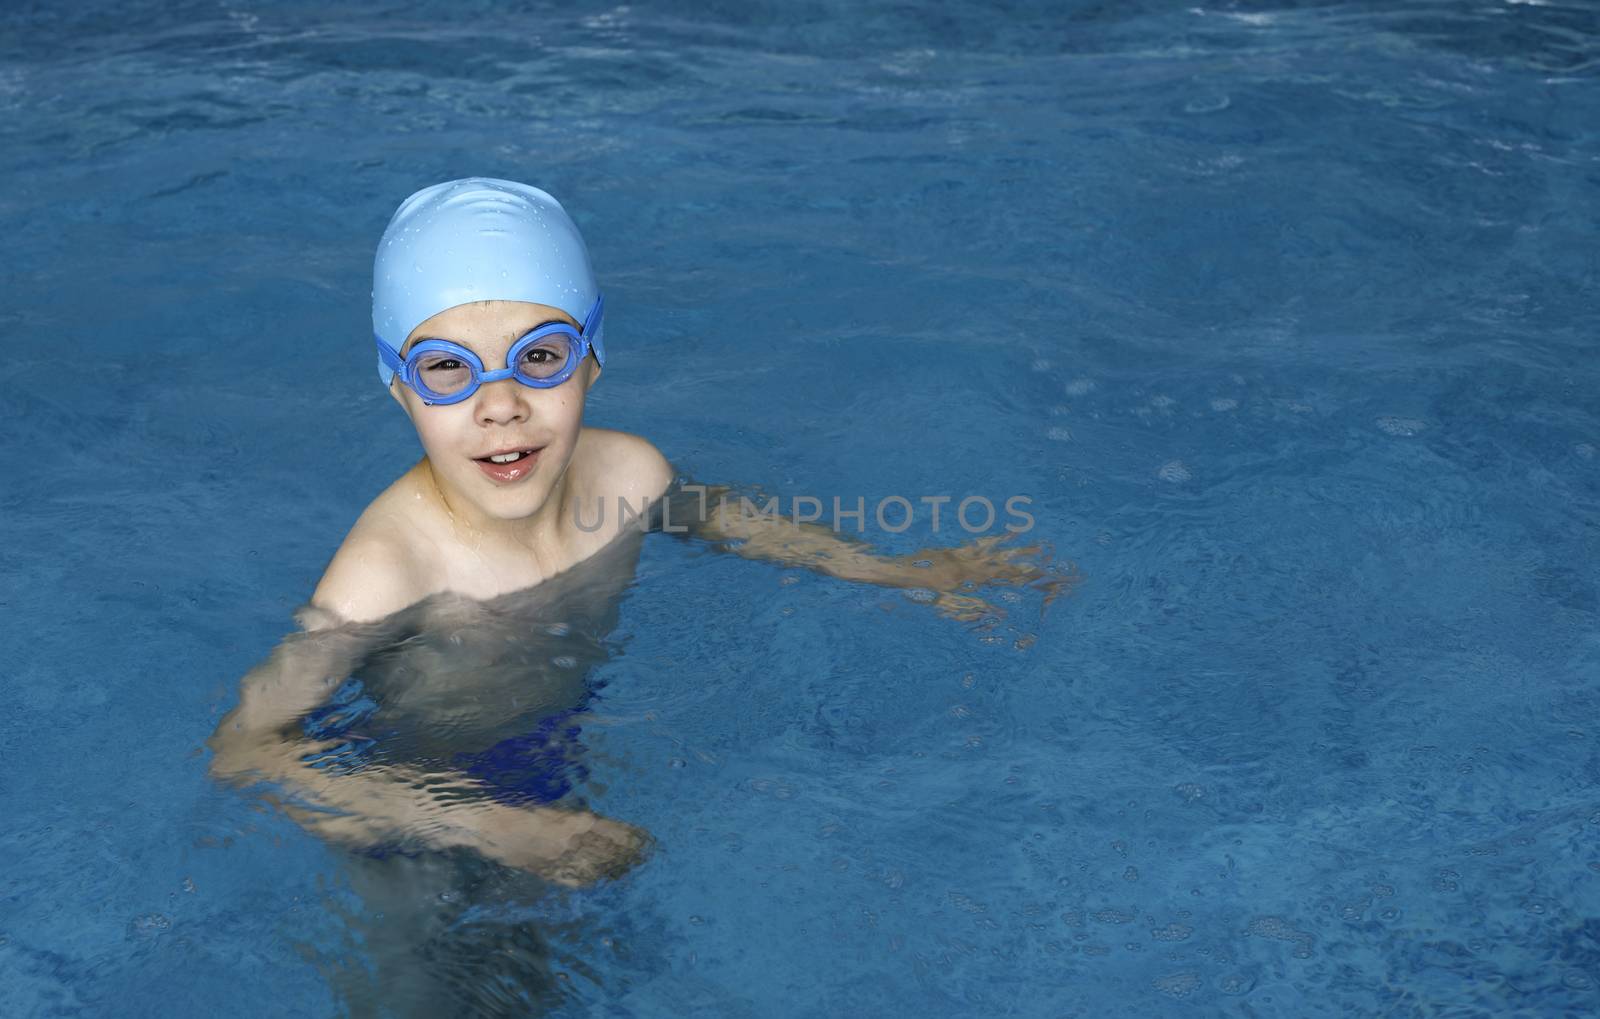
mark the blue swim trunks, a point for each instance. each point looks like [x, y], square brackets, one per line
[540, 766]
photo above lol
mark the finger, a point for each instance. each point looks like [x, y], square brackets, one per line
[1025, 552]
[954, 606]
[967, 608]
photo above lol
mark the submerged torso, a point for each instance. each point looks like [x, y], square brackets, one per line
[492, 688]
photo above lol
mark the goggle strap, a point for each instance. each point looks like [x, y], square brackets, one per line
[594, 329]
[390, 357]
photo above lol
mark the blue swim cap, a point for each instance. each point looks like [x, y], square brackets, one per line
[478, 239]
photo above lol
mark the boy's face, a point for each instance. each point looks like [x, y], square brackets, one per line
[501, 416]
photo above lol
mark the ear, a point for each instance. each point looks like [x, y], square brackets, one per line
[593, 373]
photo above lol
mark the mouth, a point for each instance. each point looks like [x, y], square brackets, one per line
[508, 465]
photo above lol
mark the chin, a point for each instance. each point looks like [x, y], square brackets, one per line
[515, 504]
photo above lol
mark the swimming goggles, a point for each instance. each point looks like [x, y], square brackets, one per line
[443, 371]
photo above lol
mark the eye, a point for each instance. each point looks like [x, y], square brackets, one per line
[544, 359]
[443, 372]
[539, 355]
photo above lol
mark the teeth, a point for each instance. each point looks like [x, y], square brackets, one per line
[506, 458]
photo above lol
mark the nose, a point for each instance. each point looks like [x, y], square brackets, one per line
[504, 402]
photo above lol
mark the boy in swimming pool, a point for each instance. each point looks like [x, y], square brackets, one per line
[490, 331]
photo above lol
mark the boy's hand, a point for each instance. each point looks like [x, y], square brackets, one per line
[955, 572]
[979, 561]
[569, 847]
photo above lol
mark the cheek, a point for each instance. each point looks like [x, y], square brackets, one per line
[439, 432]
[567, 410]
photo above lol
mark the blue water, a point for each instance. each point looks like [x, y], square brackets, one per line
[1282, 314]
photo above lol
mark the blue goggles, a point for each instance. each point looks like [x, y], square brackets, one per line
[443, 371]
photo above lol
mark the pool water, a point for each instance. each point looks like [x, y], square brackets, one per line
[1281, 314]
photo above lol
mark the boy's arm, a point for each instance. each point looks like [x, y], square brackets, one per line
[716, 514]
[260, 740]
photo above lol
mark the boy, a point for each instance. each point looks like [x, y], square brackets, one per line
[490, 331]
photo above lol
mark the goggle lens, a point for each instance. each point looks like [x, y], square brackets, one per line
[443, 373]
[545, 358]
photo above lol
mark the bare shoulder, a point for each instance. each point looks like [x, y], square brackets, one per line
[378, 568]
[618, 464]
